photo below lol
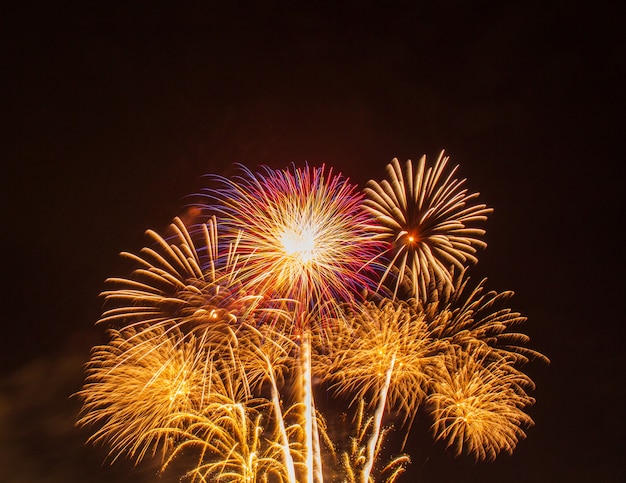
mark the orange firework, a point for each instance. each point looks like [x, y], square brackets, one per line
[381, 348]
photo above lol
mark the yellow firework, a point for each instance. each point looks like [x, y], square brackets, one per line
[136, 381]
[429, 220]
[305, 230]
[379, 350]
[478, 403]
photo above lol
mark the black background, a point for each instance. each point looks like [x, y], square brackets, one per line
[112, 112]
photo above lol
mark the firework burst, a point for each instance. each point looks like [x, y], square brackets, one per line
[478, 403]
[134, 384]
[429, 219]
[383, 354]
[381, 348]
[465, 317]
[195, 289]
[305, 231]
[181, 309]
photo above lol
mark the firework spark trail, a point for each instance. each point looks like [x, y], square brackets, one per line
[306, 232]
[308, 408]
[378, 417]
[313, 454]
[429, 219]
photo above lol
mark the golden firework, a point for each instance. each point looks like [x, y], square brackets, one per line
[381, 348]
[231, 442]
[195, 289]
[429, 220]
[478, 403]
[464, 317]
[136, 381]
[219, 345]
[354, 462]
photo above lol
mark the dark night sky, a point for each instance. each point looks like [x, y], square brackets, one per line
[112, 113]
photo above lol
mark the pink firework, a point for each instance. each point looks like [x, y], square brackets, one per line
[305, 230]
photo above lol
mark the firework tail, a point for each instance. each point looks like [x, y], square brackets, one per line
[313, 456]
[378, 417]
[281, 424]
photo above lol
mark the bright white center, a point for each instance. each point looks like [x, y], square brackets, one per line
[299, 243]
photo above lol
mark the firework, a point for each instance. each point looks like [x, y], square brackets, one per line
[380, 347]
[478, 402]
[429, 219]
[307, 238]
[305, 231]
[465, 317]
[266, 356]
[231, 442]
[134, 384]
[219, 344]
[354, 461]
[381, 353]
[181, 309]
[195, 289]
[164, 389]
